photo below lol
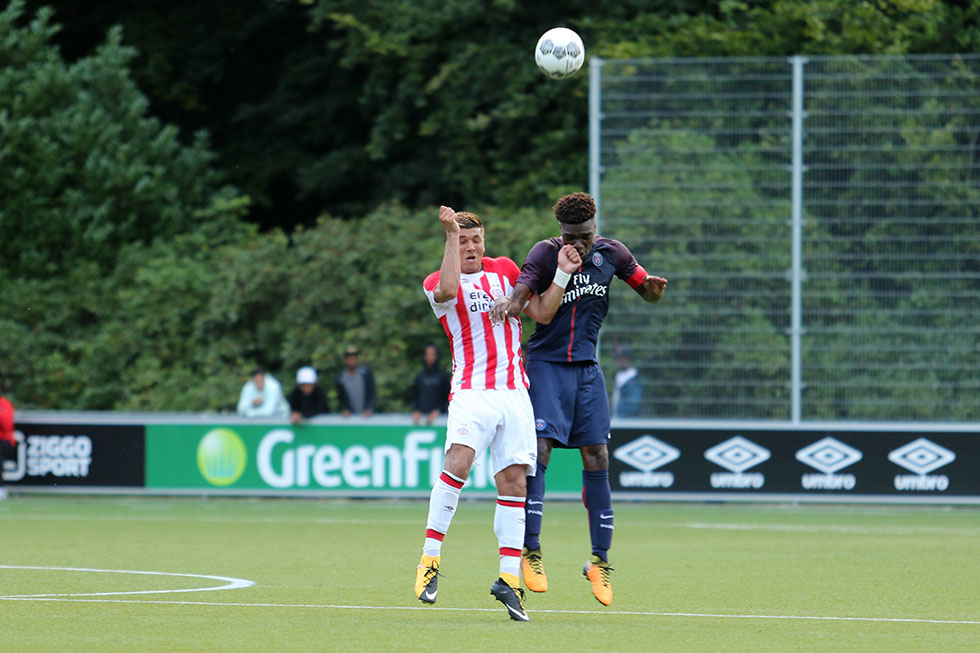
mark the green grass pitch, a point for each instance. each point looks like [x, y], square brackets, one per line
[338, 575]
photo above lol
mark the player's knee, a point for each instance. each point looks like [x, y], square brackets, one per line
[512, 481]
[544, 451]
[595, 458]
[459, 460]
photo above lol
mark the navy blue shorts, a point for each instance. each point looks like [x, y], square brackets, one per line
[570, 403]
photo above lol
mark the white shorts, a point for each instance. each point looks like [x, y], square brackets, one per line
[500, 419]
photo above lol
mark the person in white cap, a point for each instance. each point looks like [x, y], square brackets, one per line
[307, 399]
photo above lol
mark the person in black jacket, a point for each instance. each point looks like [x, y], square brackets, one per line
[430, 392]
[307, 399]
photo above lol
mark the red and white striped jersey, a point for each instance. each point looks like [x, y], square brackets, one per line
[484, 357]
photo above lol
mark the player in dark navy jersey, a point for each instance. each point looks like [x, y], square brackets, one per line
[568, 390]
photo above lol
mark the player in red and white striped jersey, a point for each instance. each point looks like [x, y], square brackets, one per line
[489, 404]
[484, 357]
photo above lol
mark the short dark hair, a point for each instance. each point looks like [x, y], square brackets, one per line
[257, 370]
[467, 220]
[575, 208]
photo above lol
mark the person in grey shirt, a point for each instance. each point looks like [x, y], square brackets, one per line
[356, 390]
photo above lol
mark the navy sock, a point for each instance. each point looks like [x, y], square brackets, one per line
[534, 508]
[598, 501]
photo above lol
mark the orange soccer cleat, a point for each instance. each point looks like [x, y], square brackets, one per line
[532, 569]
[597, 572]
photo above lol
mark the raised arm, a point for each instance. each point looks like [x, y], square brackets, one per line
[543, 307]
[450, 269]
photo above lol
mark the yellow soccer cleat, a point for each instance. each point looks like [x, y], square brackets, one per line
[597, 572]
[532, 568]
[426, 579]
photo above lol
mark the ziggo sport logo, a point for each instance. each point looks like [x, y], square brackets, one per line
[222, 459]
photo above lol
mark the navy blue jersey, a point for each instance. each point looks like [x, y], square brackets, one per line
[572, 334]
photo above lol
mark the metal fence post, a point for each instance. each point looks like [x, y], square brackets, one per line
[595, 136]
[796, 270]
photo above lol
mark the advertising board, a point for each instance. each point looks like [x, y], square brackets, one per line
[901, 462]
[106, 455]
[816, 463]
[352, 460]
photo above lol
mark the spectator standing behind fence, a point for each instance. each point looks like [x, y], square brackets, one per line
[8, 444]
[430, 392]
[628, 386]
[356, 390]
[307, 399]
[262, 396]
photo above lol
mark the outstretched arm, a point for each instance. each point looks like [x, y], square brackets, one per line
[450, 269]
[652, 288]
[541, 308]
[509, 305]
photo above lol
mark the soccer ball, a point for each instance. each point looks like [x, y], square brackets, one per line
[559, 53]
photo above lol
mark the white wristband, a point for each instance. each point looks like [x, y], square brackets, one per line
[561, 278]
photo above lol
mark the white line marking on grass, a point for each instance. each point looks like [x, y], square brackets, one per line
[843, 530]
[210, 519]
[633, 613]
[729, 526]
[232, 583]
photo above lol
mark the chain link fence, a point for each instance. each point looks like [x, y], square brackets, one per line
[819, 222]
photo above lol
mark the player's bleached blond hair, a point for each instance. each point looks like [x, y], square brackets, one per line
[575, 208]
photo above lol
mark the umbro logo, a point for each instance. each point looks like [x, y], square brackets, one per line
[646, 453]
[828, 455]
[737, 454]
[921, 456]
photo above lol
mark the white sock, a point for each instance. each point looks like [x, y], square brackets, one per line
[508, 525]
[442, 506]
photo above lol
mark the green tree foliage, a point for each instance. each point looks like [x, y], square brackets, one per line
[456, 110]
[339, 106]
[85, 174]
[734, 28]
[86, 169]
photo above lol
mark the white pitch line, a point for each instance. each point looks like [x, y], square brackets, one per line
[842, 530]
[729, 526]
[232, 583]
[208, 519]
[633, 613]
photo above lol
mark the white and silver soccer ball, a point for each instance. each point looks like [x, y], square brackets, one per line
[559, 53]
